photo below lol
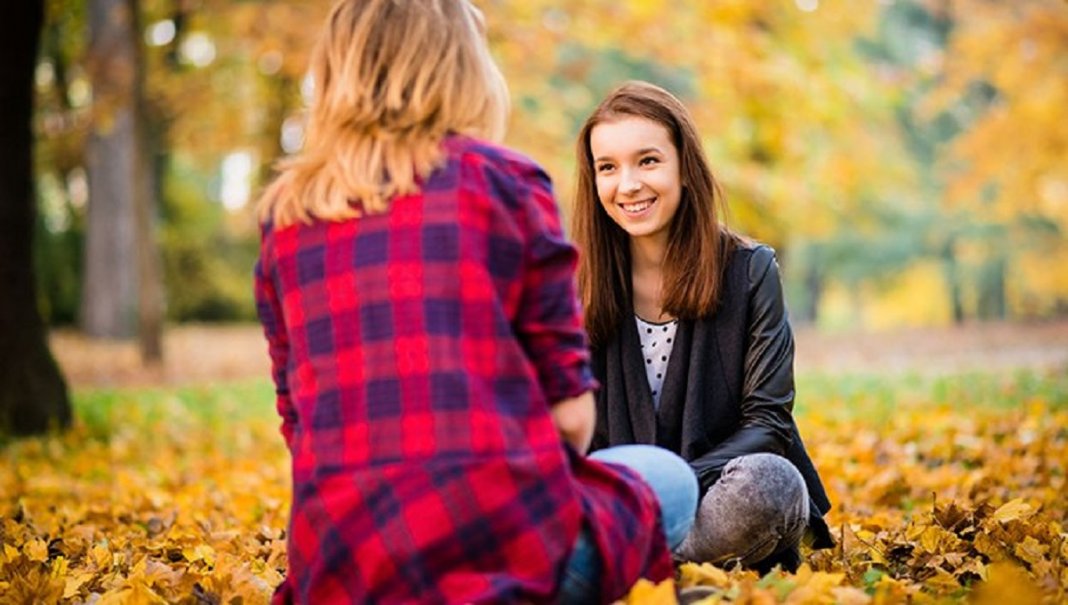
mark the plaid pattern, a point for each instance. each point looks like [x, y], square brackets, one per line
[415, 354]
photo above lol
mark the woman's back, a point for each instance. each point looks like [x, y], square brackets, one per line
[425, 346]
[419, 421]
[410, 313]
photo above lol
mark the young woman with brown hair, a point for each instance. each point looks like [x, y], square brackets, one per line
[690, 337]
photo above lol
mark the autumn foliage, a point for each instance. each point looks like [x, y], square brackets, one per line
[935, 502]
[944, 489]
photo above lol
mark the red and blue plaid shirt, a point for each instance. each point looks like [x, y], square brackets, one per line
[416, 354]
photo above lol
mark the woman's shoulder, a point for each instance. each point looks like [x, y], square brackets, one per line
[754, 258]
[484, 153]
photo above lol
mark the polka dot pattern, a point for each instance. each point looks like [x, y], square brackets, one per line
[657, 341]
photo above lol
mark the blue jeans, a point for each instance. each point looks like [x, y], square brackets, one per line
[675, 486]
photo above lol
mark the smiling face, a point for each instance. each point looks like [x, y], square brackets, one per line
[636, 171]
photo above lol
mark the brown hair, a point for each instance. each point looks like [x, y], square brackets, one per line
[391, 78]
[698, 245]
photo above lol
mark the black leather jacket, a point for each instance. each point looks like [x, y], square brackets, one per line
[729, 386]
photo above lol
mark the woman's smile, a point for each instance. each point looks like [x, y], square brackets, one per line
[639, 208]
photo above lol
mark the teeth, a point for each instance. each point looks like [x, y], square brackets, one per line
[637, 206]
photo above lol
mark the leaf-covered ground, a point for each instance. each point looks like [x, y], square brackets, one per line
[945, 489]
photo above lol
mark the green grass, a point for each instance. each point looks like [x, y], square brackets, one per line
[211, 406]
[876, 397]
[870, 397]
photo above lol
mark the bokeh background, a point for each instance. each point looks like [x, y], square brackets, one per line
[908, 159]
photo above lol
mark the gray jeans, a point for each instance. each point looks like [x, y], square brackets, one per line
[759, 507]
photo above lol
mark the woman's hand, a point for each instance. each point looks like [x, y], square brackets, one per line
[575, 419]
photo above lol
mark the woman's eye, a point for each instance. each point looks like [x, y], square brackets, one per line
[648, 160]
[604, 168]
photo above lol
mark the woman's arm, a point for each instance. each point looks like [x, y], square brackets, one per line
[549, 318]
[768, 385]
[269, 309]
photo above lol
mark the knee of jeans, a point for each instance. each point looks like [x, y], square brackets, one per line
[771, 470]
[676, 488]
[770, 486]
[671, 479]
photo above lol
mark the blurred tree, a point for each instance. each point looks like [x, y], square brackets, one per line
[33, 394]
[122, 291]
[61, 127]
[964, 221]
[1009, 168]
[799, 129]
[862, 140]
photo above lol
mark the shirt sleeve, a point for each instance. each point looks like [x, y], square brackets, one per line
[549, 319]
[269, 308]
[768, 387]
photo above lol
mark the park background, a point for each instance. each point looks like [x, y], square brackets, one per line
[908, 159]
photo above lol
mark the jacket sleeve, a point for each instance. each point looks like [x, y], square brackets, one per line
[600, 431]
[767, 396]
[269, 309]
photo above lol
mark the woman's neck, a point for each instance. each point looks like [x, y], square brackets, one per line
[647, 262]
[647, 253]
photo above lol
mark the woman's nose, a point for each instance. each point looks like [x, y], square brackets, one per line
[630, 184]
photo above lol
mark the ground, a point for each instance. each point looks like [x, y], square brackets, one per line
[200, 353]
[943, 451]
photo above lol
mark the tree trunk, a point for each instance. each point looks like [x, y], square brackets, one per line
[122, 293]
[806, 263]
[992, 298]
[951, 269]
[33, 394]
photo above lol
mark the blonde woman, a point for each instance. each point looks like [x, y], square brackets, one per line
[427, 347]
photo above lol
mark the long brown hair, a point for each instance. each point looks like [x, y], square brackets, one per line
[698, 245]
[392, 78]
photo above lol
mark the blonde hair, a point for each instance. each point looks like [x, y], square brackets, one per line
[392, 78]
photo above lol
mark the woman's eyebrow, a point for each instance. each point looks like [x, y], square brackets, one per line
[642, 151]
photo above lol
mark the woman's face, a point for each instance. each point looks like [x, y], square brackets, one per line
[636, 170]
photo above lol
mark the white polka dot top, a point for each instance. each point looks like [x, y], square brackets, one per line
[657, 340]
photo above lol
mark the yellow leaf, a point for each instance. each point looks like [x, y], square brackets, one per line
[989, 546]
[72, 587]
[60, 567]
[934, 539]
[100, 556]
[942, 581]
[1031, 550]
[143, 595]
[705, 574]
[36, 550]
[647, 593]
[1012, 510]
[1007, 583]
[888, 590]
[202, 552]
[847, 595]
[973, 566]
[876, 556]
[818, 582]
[10, 552]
